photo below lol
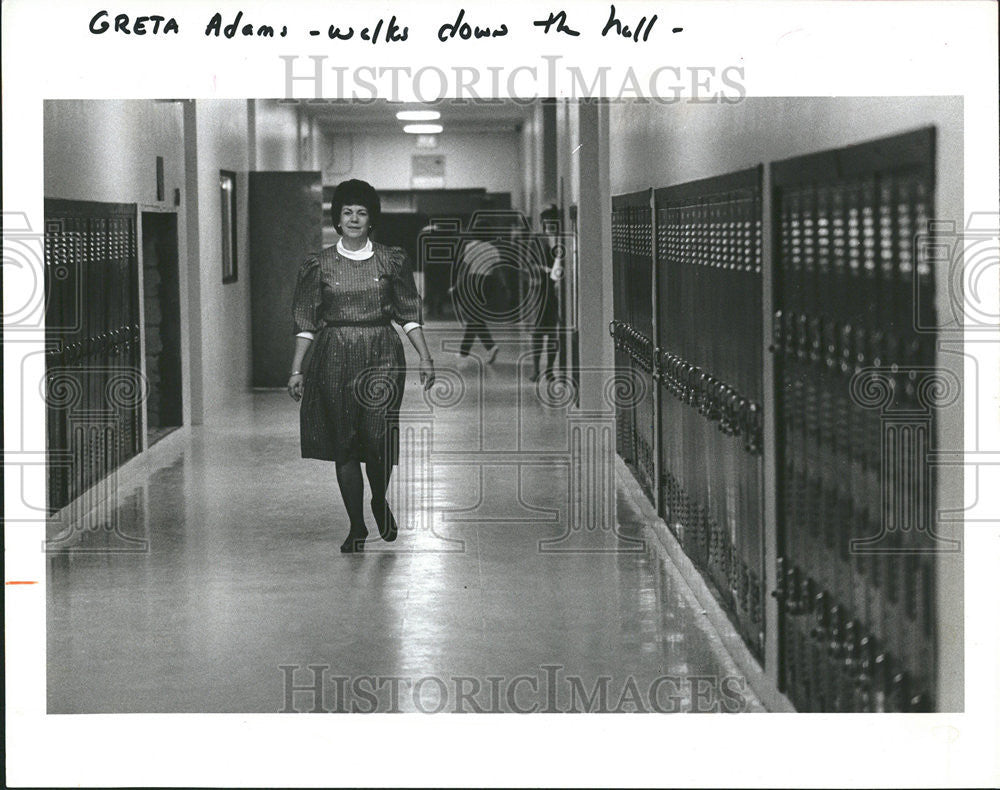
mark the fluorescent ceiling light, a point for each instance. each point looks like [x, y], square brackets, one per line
[418, 115]
[423, 128]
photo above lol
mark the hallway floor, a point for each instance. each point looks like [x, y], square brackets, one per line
[215, 582]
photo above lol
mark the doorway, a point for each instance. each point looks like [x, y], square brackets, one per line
[162, 312]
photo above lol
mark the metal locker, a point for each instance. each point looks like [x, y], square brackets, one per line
[856, 631]
[632, 330]
[709, 297]
[92, 337]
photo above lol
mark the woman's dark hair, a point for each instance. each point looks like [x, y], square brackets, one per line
[355, 192]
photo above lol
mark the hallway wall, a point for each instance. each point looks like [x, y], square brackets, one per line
[276, 132]
[530, 161]
[492, 161]
[655, 145]
[225, 309]
[582, 150]
[106, 151]
[570, 164]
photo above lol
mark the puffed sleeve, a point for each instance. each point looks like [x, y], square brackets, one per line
[405, 298]
[308, 297]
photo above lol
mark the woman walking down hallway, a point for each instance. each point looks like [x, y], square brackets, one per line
[344, 300]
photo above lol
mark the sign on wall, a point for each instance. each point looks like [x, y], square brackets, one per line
[427, 171]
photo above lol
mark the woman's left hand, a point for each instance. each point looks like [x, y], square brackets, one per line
[427, 373]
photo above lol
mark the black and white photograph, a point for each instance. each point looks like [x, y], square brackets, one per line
[422, 360]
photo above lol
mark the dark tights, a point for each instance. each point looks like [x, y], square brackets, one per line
[352, 488]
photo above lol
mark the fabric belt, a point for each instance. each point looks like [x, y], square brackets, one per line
[377, 322]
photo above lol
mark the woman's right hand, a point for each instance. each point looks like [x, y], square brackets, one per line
[295, 386]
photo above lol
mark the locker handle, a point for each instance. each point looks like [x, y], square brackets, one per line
[815, 339]
[849, 647]
[846, 345]
[837, 644]
[898, 692]
[920, 703]
[831, 345]
[777, 336]
[821, 629]
[864, 664]
[779, 591]
[799, 593]
[801, 337]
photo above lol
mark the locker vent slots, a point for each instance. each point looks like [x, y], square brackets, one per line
[93, 385]
[854, 426]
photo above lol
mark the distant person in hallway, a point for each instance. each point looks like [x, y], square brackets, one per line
[345, 298]
[472, 290]
[437, 276]
[547, 270]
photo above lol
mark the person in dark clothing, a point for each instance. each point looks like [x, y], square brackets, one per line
[546, 271]
[475, 280]
[437, 275]
[345, 298]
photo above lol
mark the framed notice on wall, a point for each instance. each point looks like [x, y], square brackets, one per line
[427, 171]
[227, 194]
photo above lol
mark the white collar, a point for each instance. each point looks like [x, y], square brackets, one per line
[356, 255]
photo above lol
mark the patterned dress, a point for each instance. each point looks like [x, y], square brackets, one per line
[353, 386]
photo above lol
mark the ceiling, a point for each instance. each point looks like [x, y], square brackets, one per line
[380, 116]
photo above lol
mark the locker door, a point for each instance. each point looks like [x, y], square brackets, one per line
[632, 329]
[710, 377]
[855, 504]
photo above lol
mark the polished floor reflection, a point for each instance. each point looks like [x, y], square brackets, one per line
[214, 583]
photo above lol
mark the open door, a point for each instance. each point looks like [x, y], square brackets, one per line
[162, 316]
[286, 225]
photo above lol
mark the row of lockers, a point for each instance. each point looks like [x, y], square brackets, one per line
[853, 347]
[93, 386]
[706, 365]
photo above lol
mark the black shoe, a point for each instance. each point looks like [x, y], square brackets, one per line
[355, 541]
[386, 523]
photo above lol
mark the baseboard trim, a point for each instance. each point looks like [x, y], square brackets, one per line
[759, 681]
[126, 476]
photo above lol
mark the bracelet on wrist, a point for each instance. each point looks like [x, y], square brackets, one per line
[295, 373]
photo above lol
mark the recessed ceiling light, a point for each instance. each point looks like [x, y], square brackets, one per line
[418, 115]
[423, 128]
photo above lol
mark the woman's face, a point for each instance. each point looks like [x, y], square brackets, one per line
[354, 222]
